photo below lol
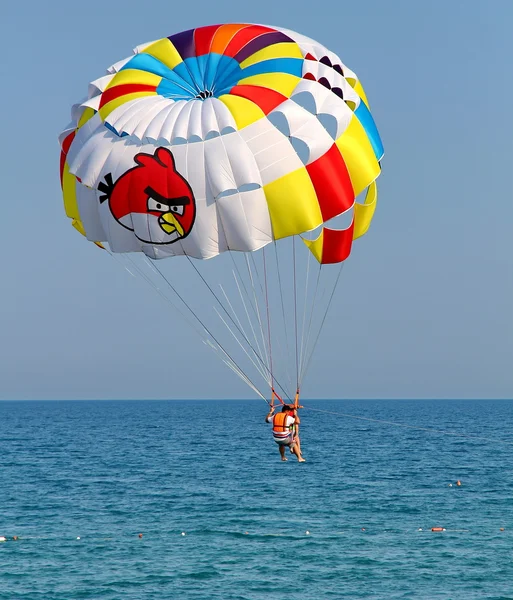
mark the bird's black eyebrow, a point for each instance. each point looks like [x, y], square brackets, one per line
[181, 201]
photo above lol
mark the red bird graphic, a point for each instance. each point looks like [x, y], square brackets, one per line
[155, 191]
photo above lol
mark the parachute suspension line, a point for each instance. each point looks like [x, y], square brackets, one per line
[257, 367]
[323, 319]
[156, 288]
[268, 324]
[428, 429]
[307, 342]
[247, 313]
[235, 369]
[287, 360]
[295, 313]
[305, 305]
[241, 280]
[230, 317]
[201, 323]
[226, 359]
[258, 310]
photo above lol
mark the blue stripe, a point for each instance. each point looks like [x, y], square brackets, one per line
[221, 71]
[195, 71]
[291, 66]
[145, 62]
[365, 118]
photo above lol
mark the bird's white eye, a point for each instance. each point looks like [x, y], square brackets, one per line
[156, 206]
[176, 209]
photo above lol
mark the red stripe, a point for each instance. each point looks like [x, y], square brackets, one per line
[243, 37]
[336, 244]
[121, 90]
[332, 183]
[264, 98]
[66, 143]
[203, 37]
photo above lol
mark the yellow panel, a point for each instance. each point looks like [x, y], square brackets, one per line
[358, 88]
[69, 182]
[110, 106]
[243, 110]
[363, 213]
[86, 115]
[78, 226]
[134, 76]
[280, 82]
[293, 204]
[359, 156]
[315, 246]
[281, 50]
[165, 52]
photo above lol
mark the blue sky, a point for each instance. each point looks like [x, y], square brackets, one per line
[424, 308]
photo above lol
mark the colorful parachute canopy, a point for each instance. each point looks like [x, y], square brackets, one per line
[225, 137]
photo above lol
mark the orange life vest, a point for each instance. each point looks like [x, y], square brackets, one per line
[279, 423]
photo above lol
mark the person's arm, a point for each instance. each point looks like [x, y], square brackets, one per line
[270, 414]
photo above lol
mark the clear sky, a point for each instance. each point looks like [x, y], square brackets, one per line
[425, 305]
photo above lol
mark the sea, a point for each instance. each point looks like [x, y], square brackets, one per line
[189, 500]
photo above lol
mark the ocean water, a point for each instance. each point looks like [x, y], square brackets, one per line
[107, 471]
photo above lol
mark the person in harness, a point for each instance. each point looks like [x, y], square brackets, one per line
[286, 430]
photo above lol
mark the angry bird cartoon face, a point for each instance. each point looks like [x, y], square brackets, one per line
[152, 199]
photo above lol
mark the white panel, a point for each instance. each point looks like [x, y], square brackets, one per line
[305, 127]
[121, 116]
[224, 116]
[182, 122]
[194, 131]
[218, 167]
[88, 203]
[154, 130]
[117, 66]
[243, 164]
[140, 125]
[209, 122]
[205, 239]
[338, 109]
[168, 126]
[245, 220]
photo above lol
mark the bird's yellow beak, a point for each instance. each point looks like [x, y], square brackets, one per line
[169, 224]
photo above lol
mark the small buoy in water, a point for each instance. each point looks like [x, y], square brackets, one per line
[246, 533]
[183, 532]
[419, 529]
[78, 538]
[501, 529]
[363, 528]
[307, 532]
[140, 535]
[450, 485]
[458, 483]
[437, 529]
[2, 538]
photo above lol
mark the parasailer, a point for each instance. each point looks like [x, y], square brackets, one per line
[243, 142]
[285, 430]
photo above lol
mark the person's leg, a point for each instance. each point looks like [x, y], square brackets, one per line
[296, 450]
[282, 452]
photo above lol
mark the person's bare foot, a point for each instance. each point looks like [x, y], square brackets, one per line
[301, 460]
[284, 459]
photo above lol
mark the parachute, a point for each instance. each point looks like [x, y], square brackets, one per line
[239, 142]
